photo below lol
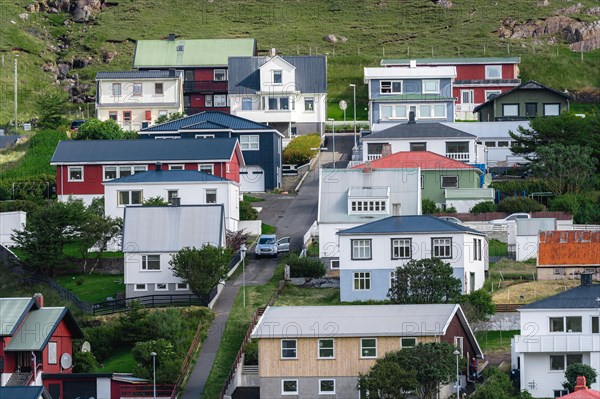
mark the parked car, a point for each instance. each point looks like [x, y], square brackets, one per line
[451, 219]
[76, 123]
[511, 217]
[269, 245]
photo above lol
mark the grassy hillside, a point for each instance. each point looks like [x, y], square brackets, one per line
[409, 28]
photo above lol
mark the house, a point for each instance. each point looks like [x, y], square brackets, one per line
[526, 101]
[523, 239]
[397, 93]
[435, 137]
[10, 222]
[81, 385]
[370, 253]
[445, 181]
[288, 93]
[352, 197]
[34, 340]
[310, 351]
[203, 62]
[134, 99]
[153, 234]
[82, 166]
[581, 391]
[187, 187]
[260, 144]
[477, 79]
[566, 254]
[556, 332]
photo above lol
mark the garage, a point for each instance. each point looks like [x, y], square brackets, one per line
[252, 179]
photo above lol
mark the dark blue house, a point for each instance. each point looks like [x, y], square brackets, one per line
[260, 144]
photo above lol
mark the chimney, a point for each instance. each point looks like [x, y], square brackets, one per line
[175, 201]
[413, 63]
[386, 150]
[273, 52]
[586, 278]
[39, 299]
[367, 168]
[580, 384]
[158, 166]
[171, 37]
[411, 117]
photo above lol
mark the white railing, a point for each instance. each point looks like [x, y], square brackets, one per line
[591, 227]
[572, 342]
[459, 156]
[486, 227]
[372, 157]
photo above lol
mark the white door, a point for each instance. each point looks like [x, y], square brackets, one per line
[252, 179]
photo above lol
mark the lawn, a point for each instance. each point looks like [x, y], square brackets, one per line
[93, 288]
[251, 198]
[268, 229]
[313, 249]
[298, 296]
[121, 362]
[498, 248]
[495, 341]
[532, 291]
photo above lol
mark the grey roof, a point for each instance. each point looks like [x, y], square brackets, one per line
[529, 85]
[219, 121]
[581, 297]
[28, 392]
[500, 82]
[143, 150]
[453, 61]
[354, 321]
[404, 185]
[311, 73]
[170, 228]
[152, 74]
[419, 131]
[488, 130]
[8, 141]
[168, 176]
[417, 224]
[12, 313]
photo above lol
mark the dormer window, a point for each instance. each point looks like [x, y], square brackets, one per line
[368, 200]
[390, 87]
[277, 77]
[431, 87]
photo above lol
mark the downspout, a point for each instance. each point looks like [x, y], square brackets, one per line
[34, 367]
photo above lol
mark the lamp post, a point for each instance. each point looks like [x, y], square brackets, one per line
[243, 254]
[456, 353]
[153, 354]
[16, 91]
[354, 100]
[333, 133]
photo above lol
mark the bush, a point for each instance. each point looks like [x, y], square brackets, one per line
[103, 340]
[517, 187]
[585, 208]
[247, 212]
[94, 129]
[519, 204]
[305, 267]
[485, 206]
[428, 206]
[84, 362]
[20, 205]
[251, 353]
[478, 305]
[167, 362]
[298, 151]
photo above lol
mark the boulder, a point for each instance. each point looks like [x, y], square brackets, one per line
[63, 69]
[81, 62]
[342, 39]
[24, 16]
[543, 3]
[330, 38]
[32, 8]
[593, 11]
[443, 3]
[108, 56]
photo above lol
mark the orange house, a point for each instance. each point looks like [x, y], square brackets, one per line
[564, 254]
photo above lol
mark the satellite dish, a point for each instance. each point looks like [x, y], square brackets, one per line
[66, 361]
[86, 347]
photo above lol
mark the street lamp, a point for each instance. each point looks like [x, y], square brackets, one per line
[153, 354]
[243, 254]
[16, 90]
[457, 353]
[354, 96]
[333, 133]
[319, 156]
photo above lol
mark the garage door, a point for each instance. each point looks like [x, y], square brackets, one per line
[252, 179]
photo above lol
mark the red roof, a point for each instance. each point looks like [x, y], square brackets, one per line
[582, 394]
[425, 160]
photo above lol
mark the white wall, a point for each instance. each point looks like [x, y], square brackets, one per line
[329, 240]
[527, 247]
[437, 146]
[288, 76]
[253, 227]
[9, 223]
[85, 198]
[135, 275]
[297, 115]
[171, 89]
[103, 388]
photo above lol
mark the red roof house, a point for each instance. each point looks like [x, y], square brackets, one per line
[582, 391]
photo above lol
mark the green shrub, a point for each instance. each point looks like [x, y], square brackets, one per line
[103, 340]
[478, 305]
[565, 203]
[251, 353]
[298, 151]
[79, 280]
[428, 206]
[167, 361]
[485, 206]
[450, 210]
[519, 204]
[585, 208]
[84, 362]
[516, 187]
[305, 267]
[247, 212]
[20, 205]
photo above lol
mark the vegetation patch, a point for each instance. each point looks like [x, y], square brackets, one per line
[93, 288]
[300, 150]
[495, 341]
[532, 291]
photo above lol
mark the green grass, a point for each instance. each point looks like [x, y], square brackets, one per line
[250, 198]
[498, 248]
[95, 287]
[74, 250]
[299, 296]
[268, 229]
[495, 341]
[313, 249]
[121, 362]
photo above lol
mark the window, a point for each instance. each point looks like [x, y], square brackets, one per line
[392, 279]
[129, 197]
[279, 104]
[161, 287]
[557, 324]
[503, 144]
[408, 342]
[110, 172]
[52, 352]
[284, 103]
[176, 167]
[362, 281]
[220, 100]
[457, 147]
[510, 109]
[140, 287]
[467, 97]
[368, 347]
[489, 94]
[112, 115]
[246, 104]
[431, 86]
[220, 75]
[249, 143]
[361, 249]
[393, 111]
[557, 362]
[401, 248]
[360, 206]
[116, 89]
[150, 262]
[309, 104]
[182, 287]
[422, 183]
[477, 249]
[390, 87]
[334, 264]
[449, 181]
[531, 110]
[327, 387]
[137, 89]
[560, 393]
[493, 71]
[326, 349]
[126, 116]
[557, 271]
[159, 91]
[162, 112]
[114, 172]
[211, 196]
[490, 144]
[432, 111]
[595, 325]
[418, 146]
[551, 109]
[208, 100]
[573, 323]
[289, 387]
[288, 349]
[442, 247]
[172, 194]
[75, 173]
[277, 77]
[206, 168]
[574, 358]
[425, 111]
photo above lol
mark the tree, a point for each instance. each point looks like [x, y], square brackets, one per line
[519, 204]
[51, 107]
[167, 363]
[201, 268]
[155, 201]
[168, 118]
[97, 230]
[95, 129]
[497, 385]
[478, 305]
[578, 369]
[567, 169]
[425, 281]
[485, 206]
[387, 379]
[428, 206]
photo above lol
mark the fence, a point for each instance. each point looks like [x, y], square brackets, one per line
[188, 362]
[146, 391]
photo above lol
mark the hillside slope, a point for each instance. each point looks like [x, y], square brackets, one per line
[372, 29]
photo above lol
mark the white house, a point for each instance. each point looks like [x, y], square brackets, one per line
[134, 99]
[526, 236]
[556, 332]
[190, 187]
[370, 253]
[153, 234]
[286, 92]
[9, 223]
[351, 197]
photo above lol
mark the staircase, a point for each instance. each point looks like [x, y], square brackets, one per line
[17, 379]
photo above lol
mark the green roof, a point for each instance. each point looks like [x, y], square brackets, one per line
[414, 97]
[192, 53]
[36, 330]
[12, 310]
[470, 193]
[434, 61]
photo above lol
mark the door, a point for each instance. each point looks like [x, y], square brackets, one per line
[252, 179]
[283, 245]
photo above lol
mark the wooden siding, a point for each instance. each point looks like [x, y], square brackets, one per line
[558, 248]
[456, 329]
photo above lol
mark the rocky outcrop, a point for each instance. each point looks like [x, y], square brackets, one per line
[63, 75]
[81, 10]
[443, 3]
[335, 39]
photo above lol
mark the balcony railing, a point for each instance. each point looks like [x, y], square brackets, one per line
[569, 342]
[459, 156]
[209, 86]
[372, 157]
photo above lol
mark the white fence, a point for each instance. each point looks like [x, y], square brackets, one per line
[312, 232]
[592, 227]
[252, 227]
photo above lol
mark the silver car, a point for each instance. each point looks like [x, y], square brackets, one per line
[269, 245]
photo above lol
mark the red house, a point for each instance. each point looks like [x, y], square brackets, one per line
[204, 63]
[477, 79]
[34, 340]
[83, 165]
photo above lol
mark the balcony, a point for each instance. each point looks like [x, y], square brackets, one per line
[372, 157]
[205, 86]
[459, 156]
[572, 342]
[270, 116]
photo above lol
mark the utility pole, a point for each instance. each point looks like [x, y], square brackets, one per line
[16, 95]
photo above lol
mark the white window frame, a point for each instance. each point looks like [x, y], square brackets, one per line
[392, 279]
[161, 289]
[362, 347]
[394, 111]
[432, 114]
[362, 249]
[295, 349]
[550, 104]
[219, 100]
[177, 288]
[250, 142]
[220, 71]
[477, 249]
[52, 352]
[445, 185]
[136, 287]
[368, 206]
[202, 166]
[396, 244]
[326, 392]
[277, 72]
[283, 392]
[444, 244]
[335, 262]
[470, 93]
[177, 166]
[245, 101]
[506, 107]
[70, 179]
[436, 90]
[332, 349]
[144, 263]
[309, 100]
[490, 68]
[210, 191]
[208, 100]
[160, 92]
[362, 278]
[114, 115]
[490, 144]
[116, 93]
[121, 205]
[408, 346]
[391, 87]
[490, 92]
[560, 370]
[137, 89]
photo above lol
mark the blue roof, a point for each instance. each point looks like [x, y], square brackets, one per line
[221, 119]
[168, 176]
[105, 151]
[29, 392]
[581, 297]
[410, 224]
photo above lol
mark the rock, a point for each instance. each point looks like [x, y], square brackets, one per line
[108, 56]
[52, 10]
[24, 16]
[593, 11]
[330, 38]
[83, 9]
[63, 69]
[342, 39]
[576, 9]
[543, 3]
[443, 3]
[32, 8]
[79, 63]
